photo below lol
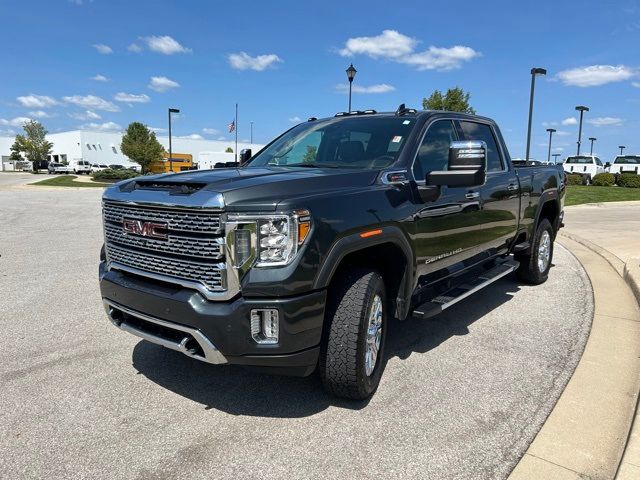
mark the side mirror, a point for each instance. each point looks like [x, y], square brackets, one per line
[607, 165]
[467, 166]
[245, 155]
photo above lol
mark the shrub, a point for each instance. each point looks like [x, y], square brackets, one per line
[110, 175]
[574, 179]
[629, 180]
[603, 180]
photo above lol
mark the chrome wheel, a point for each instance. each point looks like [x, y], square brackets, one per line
[544, 251]
[374, 335]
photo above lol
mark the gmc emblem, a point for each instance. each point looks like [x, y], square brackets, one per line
[145, 229]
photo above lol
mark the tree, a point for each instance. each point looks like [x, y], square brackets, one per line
[33, 144]
[140, 145]
[310, 154]
[15, 153]
[229, 150]
[455, 100]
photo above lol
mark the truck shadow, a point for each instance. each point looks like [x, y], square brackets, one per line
[240, 391]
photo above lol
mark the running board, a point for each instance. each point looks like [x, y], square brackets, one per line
[460, 292]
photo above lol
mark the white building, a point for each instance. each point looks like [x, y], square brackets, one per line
[104, 148]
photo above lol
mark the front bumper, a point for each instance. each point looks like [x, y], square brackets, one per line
[212, 331]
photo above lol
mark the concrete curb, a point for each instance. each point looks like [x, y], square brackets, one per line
[631, 275]
[586, 433]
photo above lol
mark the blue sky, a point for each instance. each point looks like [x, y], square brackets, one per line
[104, 63]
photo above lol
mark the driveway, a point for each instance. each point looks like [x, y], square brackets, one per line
[462, 395]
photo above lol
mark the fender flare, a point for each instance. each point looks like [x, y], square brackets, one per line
[546, 197]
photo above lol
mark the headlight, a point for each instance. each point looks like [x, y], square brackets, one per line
[274, 238]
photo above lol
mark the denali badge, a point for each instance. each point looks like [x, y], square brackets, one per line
[145, 229]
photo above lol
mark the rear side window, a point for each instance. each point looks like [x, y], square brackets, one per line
[433, 154]
[598, 162]
[483, 132]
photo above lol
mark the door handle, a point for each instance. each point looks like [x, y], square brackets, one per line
[472, 195]
[512, 187]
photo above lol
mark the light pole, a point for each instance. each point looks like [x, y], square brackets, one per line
[534, 73]
[251, 137]
[592, 139]
[622, 147]
[171, 110]
[351, 74]
[581, 109]
[555, 158]
[551, 132]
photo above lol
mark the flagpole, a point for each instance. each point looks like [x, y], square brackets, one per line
[236, 150]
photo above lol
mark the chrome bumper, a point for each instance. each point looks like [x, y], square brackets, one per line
[204, 351]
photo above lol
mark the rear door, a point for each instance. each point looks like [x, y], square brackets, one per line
[500, 195]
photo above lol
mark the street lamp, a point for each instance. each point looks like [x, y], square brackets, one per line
[592, 139]
[534, 73]
[555, 158]
[351, 74]
[621, 147]
[551, 132]
[251, 132]
[171, 110]
[581, 109]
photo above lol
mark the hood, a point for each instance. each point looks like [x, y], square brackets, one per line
[240, 189]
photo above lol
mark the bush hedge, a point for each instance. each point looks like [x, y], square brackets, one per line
[110, 175]
[603, 180]
[629, 180]
[574, 179]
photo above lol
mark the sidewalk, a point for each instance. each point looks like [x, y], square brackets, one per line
[592, 433]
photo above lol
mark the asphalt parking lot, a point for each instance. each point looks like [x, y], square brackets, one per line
[462, 395]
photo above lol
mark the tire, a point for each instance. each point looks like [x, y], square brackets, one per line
[344, 369]
[534, 268]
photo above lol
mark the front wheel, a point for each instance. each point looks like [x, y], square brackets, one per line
[534, 268]
[352, 356]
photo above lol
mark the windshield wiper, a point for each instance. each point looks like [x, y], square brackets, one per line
[317, 165]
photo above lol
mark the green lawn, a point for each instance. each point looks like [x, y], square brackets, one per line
[69, 181]
[579, 194]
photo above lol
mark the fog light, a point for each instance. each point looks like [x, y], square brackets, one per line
[265, 325]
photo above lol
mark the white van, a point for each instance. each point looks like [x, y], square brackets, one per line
[586, 165]
[625, 163]
[80, 166]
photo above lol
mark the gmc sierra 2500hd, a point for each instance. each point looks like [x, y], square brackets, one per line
[298, 259]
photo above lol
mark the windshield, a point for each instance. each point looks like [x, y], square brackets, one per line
[583, 160]
[628, 160]
[364, 142]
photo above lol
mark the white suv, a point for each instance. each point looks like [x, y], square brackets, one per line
[625, 163]
[585, 165]
[82, 166]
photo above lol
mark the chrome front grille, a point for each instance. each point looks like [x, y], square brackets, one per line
[192, 255]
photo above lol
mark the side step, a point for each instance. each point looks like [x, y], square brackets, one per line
[457, 293]
[521, 247]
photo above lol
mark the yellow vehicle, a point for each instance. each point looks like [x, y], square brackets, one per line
[179, 163]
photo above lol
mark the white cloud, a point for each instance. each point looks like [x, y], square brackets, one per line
[559, 149]
[211, 131]
[102, 127]
[99, 78]
[295, 119]
[570, 121]
[162, 84]
[193, 136]
[244, 61]
[131, 98]
[79, 2]
[102, 48]
[157, 129]
[548, 124]
[393, 45]
[636, 84]
[134, 47]
[379, 88]
[86, 115]
[37, 101]
[14, 122]
[595, 75]
[389, 44]
[164, 44]
[92, 102]
[221, 138]
[606, 121]
[40, 114]
[562, 133]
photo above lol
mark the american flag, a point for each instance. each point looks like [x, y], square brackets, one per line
[232, 126]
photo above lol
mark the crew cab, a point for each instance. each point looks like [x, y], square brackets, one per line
[55, 167]
[625, 164]
[586, 166]
[299, 258]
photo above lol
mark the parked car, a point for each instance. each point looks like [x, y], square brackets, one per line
[55, 167]
[80, 166]
[98, 167]
[115, 166]
[625, 163]
[300, 258]
[585, 165]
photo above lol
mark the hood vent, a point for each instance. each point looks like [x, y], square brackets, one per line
[171, 187]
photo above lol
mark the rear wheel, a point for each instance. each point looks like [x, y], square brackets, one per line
[352, 357]
[534, 268]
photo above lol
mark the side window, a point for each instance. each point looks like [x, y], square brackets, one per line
[433, 153]
[480, 131]
[598, 161]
